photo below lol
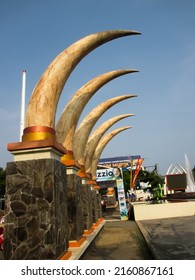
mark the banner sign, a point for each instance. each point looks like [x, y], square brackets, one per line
[108, 174]
[115, 174]
[121, 162]
[122, 200]
[107, 184]
[137, 170]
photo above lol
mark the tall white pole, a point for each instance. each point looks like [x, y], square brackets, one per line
[22, 116]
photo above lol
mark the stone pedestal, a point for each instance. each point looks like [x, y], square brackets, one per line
[94, 207]
[75, 205]
[99, 207]
[36, 219]
[87, 206]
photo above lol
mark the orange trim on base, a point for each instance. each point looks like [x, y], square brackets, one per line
[91, 182]
[35, 136]
[88, 231]
[82, 173]
[51, 142]
[77, 243]
[68, 159]
[39, 128]
[65, 256]
[35, 133]
[96, 187]
[95, 225]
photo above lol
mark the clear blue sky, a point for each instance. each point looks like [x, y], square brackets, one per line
[33, 32]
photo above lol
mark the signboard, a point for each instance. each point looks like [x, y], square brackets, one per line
[122, 200]
[115, 174]
[108, 174]
[107, 184]
[121, 162]
[176, 181]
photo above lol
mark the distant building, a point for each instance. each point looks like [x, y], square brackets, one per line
[175, 178]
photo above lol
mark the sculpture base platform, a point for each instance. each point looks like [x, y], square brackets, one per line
[40, 149]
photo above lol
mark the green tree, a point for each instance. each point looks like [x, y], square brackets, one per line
[126, 180]
[152, 178]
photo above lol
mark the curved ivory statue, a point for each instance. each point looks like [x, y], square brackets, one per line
[82, 133]
[66, 126]
[100, 147]
[46, 94]
[95, 138]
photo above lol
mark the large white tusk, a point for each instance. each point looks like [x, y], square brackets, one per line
[95, 138]
[42, 106]
[100, 147]
[82, 133]
[66, 126]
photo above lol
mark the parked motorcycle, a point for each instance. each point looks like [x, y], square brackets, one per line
[1, 233]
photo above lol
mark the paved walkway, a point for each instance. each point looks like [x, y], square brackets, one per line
[118, 240]
[167, 239]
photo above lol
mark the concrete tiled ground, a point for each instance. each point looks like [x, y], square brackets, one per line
[170, 239]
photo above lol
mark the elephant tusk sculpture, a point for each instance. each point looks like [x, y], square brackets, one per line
[100, 147]
[66, 126]
[95, 138]
[82, 133]
[46, 94]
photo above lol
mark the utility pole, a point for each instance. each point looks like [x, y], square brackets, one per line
[22, 116]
